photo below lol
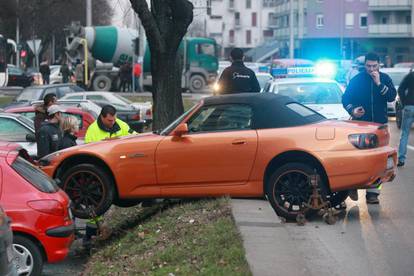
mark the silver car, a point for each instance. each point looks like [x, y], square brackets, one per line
[397, 75]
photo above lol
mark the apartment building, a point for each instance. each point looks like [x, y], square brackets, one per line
[321, 28]
[240, 23]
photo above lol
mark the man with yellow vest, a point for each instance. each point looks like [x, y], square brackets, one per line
[107, 126]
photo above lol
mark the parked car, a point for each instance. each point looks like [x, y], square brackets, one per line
[6, 246]
[34, 93]
[244, 145]
[19, 129]
[84, 117]
[128, 111]
[322, 95]
[17, 77]
[263, 78]
[397, 75]
[42, 224]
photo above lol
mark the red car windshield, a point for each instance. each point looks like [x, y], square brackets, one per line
[34, 176]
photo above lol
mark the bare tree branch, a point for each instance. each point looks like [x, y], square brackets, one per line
[151, 29]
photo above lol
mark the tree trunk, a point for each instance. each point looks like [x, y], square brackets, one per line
[165, 26]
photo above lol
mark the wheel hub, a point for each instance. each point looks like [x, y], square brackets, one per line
[22, 259]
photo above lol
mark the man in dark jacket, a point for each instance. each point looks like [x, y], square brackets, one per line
[50, 134]
[406, 94]
[45, 71]
[237, 78]
[41, 111]
[366, 99]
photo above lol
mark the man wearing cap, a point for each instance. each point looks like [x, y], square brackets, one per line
[50, 135]
[237, 78]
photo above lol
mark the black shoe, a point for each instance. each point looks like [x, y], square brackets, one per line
[400, 164]
[372, 198]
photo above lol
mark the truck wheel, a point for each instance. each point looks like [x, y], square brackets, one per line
[197, 84]
[101, 83]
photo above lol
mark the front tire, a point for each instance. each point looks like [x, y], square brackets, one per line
[197, 84]
[288, 189]
[90, 188]
[27, 257]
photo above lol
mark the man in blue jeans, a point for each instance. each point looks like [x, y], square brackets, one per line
[406, 94]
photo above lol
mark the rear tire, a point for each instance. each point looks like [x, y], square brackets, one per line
[27, 256]
[288, 189]
[90, 188]
[101, 83]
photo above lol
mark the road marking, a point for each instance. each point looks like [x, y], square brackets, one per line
[410, 147]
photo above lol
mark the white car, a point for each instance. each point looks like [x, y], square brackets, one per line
[322, 95]
[119, 102]
[397, 75]
[19, 129]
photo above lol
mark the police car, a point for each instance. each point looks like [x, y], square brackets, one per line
[323, 95]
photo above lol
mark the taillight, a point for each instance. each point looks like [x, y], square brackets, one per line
[47, 206]
[148, 113]
[136, 117]
[364, 140]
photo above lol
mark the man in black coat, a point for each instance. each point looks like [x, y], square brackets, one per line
[366, 99]
[237, 78]
[50, 135]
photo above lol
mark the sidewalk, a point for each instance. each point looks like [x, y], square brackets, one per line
[269, 247]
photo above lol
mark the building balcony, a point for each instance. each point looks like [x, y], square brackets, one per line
[389, 30]
[389, 5]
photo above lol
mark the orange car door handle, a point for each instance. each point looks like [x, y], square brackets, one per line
[239, 142]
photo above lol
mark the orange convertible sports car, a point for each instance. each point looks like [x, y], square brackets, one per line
[245, 145]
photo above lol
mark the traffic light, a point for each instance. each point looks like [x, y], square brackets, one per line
[23, 53]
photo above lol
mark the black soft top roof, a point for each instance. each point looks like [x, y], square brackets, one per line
[269, 110]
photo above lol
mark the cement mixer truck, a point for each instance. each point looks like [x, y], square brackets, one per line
[110, 46]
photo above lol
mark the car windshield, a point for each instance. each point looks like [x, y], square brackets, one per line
[34, 176]
[174, 124]
[30, 94]
[397, 77]
[121, 100]
[262, 79]
[312, 93]
[26, 121]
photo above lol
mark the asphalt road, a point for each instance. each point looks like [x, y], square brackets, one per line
[367, 240]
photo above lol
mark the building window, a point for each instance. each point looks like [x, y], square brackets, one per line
[231, 4]
[408, 19]
[248, 4]
[231, 36]
[268, 33]
[237, 18]
[384, 20]
[363, 20]
[248, 37]
[319, 21]
[254, 19]
[349, 20]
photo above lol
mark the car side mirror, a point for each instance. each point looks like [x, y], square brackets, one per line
[180, 130]
[30, 138]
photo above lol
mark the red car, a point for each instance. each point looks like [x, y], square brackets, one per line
[42, 224]
[85, 118]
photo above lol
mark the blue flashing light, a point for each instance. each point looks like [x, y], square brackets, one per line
[325, 69]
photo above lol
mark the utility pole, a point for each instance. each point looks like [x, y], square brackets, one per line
[17, 35]
[88, 12]
[291, 34]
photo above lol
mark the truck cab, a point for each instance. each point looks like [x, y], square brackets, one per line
[200, 63]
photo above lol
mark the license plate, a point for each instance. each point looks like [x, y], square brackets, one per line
[390, 163]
